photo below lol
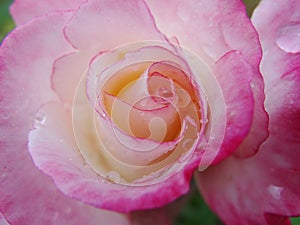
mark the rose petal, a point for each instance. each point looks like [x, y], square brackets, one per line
[76, 179]
[66, 74]
[210, 29]
[132, 149]
[96, 190]
[100, 26]
[103, 25]
[232, 109]
[100, 76]
[26, 195]
[3, 221]
[234, 75]
[24, 10]
[213, 31]
[264, 189]
[270, 27]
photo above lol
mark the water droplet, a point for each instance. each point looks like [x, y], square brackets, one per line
[187, 144]
[165, 93]
[70, 159]
[183, 98]
[3, 175]
[181, 160]
[143, 103]
[68, 210]
[201, 147]
[183, 14]
[204, 121]
[113, 177]
[288, 38]
[100, 179]
[40, 118]
[61, 140]
[5, 116]
[275, 191]
[13, 124]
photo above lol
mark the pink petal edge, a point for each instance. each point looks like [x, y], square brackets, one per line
[21, 182]
[264, 189]
[88, 189]
[3, 221]
[212, 30]
[25, 10]
[81, 182]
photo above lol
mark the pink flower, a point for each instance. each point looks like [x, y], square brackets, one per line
[264, 188]
[119, 102]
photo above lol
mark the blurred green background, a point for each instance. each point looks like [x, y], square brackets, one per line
[6, 23]
[196, 212]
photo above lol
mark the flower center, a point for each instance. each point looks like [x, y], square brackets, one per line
[142, 107]
[146, 114]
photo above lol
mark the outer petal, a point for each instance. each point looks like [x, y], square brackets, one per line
[56, 155]
[3, 221]
[24, 10]
[100, 26]
[103, 25]
[208, 28]
[26, 195]
[213, 31]
[264, 189]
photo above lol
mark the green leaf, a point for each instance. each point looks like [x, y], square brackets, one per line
[6, 22]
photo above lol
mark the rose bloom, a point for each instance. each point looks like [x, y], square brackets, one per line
[108, 108]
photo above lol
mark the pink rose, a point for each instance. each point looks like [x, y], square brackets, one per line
[119, 102]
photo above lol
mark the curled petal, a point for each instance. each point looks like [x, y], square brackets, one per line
[3, 221]
[78, 180]
[210, 29]
[115, 23]
[20, 180]
[24, 10]
[104, 180]
[239, 102]
[135, 149]
[263, 189]
[104, 189]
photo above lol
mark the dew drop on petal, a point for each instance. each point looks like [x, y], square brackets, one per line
[100, 179]
[288, 38]
[165, 93]
[187, 144]
[275, 191]
[5, 116]
[68, 210]
[39, 118]
[183, 98]
[113, 177]
[204, 121]
[183, 14]
[3, 175]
